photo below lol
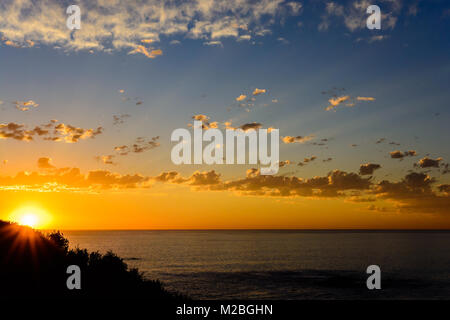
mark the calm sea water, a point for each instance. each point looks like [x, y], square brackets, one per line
[283, 264]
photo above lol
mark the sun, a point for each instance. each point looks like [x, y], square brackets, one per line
[30, 220]
[31, 216]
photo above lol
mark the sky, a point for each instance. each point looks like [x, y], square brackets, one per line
[87, 115]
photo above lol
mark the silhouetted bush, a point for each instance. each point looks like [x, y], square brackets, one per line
[34, 264]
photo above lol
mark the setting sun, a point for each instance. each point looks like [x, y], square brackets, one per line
[30, 220]
[31, 216]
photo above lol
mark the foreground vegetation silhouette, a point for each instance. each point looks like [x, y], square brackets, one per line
[35, 264]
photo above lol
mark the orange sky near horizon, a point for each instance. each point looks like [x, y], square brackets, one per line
[179, 208]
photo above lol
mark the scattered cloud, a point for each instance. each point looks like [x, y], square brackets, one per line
[140, 145]
[116, 25]
[335, 102]
[25, 105]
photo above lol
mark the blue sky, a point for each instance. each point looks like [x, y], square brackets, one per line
[407, 73]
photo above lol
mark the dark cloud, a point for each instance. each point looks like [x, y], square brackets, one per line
[368, 168]
[52, 131]
[44, 163]
[198, 178]
[250, 126]
[312, 158]
[400, 155]
[429, 163]
[414, 193]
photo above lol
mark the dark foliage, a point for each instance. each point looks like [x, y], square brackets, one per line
[35, 264]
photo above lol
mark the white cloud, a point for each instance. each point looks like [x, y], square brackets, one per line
[213, 43]
[120, 25]
[354, 14]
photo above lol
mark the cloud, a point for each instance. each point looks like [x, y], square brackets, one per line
[206, 124]
[295, 7]
[400, 155]
[215, 43]
[198, 178]
[72, 134]
[241, 97]
[353, 15]
[118, 25]
[120, 119]
[72, 180]
[337, 98]
[285, 163]
[444, 188]
[201, 117]
[258, 91]
[429, 163]
[368, 168]
[377, 38]
[25, 105]
[297, 139]
[331, 185]
[334, 102]
[149, 53]
[250, 126]
[52, 131]
[414, 193]
[365, 98]
[106, 159]
[245, 37]
[141, 145]
[44, 163]
[306, 160]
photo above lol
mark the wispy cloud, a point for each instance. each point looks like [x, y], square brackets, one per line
[116, 25]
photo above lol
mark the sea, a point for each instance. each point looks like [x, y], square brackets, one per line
[283, 264]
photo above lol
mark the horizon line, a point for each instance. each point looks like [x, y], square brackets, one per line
[274, 229]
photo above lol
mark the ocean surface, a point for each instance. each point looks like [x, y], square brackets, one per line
[283, 264]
